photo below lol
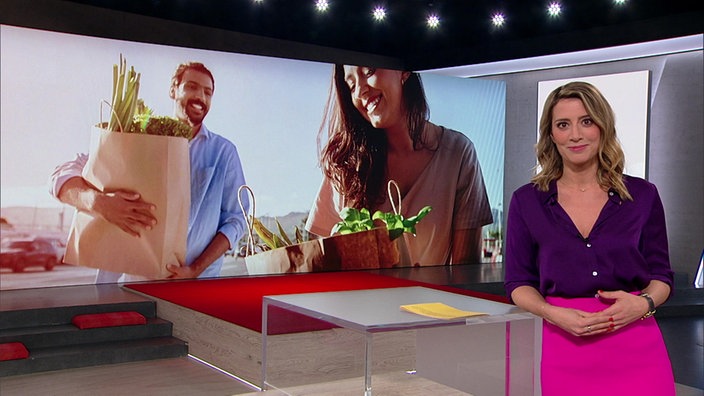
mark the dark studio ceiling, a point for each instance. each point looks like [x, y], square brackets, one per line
[465, 34]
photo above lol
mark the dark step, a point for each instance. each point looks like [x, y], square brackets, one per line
[75, 356]
[36, 317]
[68, 334]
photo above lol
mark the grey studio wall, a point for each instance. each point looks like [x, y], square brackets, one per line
[675, 152]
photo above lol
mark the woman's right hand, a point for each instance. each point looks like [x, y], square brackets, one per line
[576, 322]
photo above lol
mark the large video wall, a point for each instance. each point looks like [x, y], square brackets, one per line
[270, 108]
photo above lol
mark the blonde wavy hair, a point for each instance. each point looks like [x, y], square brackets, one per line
[610, 154]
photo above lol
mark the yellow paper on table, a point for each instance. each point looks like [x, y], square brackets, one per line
[158, 167]
[438, 311]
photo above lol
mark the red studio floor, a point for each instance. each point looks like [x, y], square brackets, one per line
[239, 300]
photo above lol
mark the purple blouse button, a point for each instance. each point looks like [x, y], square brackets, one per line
[594, 273]
[589, 245]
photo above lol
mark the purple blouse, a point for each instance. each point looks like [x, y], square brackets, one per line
[626, 249]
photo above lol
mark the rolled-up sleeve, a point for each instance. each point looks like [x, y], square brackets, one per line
[66, 171]
[653, 243]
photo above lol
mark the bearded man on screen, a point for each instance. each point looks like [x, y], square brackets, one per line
[216, 221]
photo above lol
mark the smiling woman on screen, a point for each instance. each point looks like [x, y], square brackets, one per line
[378, 130]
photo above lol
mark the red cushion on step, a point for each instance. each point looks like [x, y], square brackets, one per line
[13, 351]
[108, 319]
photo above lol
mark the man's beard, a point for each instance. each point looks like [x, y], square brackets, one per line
[199, 116]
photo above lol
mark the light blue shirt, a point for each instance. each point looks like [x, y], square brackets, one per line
[216, 175]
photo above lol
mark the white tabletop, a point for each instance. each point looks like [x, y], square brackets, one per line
[378, 310]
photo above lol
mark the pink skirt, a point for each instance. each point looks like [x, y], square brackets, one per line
[629, 361]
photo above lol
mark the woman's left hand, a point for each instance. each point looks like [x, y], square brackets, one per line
[626, 308]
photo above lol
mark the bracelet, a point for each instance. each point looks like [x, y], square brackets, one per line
[651, 306]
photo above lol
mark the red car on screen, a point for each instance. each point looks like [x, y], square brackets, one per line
[18, 254]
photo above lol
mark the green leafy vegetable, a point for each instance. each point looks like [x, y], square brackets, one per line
[299, 235]
[168, 126]
[284, 237]
[146, 122]
[354, 220]
[273, 240]
[397, 225]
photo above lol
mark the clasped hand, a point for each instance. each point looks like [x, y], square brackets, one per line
[625, 308]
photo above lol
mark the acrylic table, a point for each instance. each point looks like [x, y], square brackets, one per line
[506, 337]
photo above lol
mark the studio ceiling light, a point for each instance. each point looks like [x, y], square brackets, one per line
[379, 13]
[498, 19]
[554, 9]
[433, 21]
[322, 5]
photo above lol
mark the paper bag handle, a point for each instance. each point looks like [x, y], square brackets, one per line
[100, 116]
[250, 224]
[391, 198]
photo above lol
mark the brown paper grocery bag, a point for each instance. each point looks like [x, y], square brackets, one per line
[367, 249]
[361, 250]
[302, 257]
[158, 167]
